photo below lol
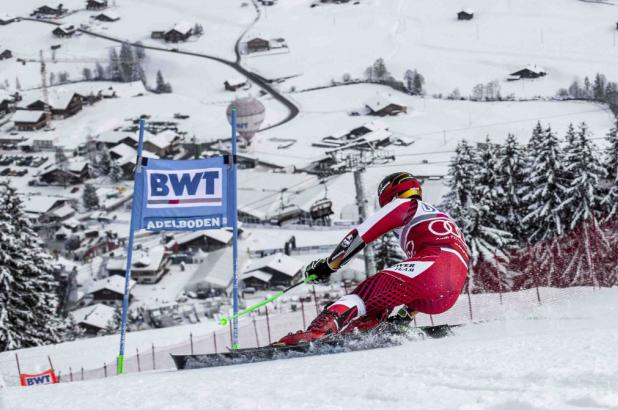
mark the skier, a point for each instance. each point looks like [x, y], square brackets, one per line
[429, 281]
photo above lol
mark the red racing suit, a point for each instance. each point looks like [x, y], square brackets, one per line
[428, 281]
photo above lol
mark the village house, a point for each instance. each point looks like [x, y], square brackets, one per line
[161, 144]
[96, 4]
[274, 270]
[258, 44]
[110, 291]
[206, 241]
[235, 83]
[42, 209]
[465, 14]
[64, 31]
[214, 274]
[180, 32]
[94, 318]
[62, 105]
[7, 19]
[6, 54]
[74, 172]
[530, 71]
[49, 11]
[25, 120]
[107, 16]
[148, 266]
[6, 106]
[383, 105]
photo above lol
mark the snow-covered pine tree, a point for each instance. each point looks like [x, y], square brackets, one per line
[408, 80]
[598, 87]
[113, 69]
[115, 172]
[511, 171]
[460, 180]
[162, 87]
[388, 251]
[104, 162]
[610, 163]
[127, 62]
[584, 252]
[545, 189]
[484, 229]
[90, 197]
[28, 299]
[60, 158]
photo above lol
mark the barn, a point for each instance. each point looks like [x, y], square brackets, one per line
[274, 270]
[383, 105]
[258, 44]
[107, 17]
[96, 4]
[465, 14]
[62, 105]
[530, 71]
[6, 54]
[180, 32]
[64, 31]
[7, 19]
[25, 120]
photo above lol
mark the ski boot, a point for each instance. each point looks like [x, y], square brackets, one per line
[327, 323]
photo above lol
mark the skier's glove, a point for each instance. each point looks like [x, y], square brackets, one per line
[319, 268]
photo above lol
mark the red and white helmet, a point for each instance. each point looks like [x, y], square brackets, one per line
[399, 185]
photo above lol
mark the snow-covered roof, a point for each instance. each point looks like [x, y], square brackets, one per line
[468, 11]
[125, 152]
[216, 270]
[221, 235]
[66, 28]
[40, 204]
[101, 2]
[279, 262]
[142, 261]
[535, 68]
[379, 101]
[64, 211]
[97, 315]
[27, 116]
[161, 140]
[114, 283]
[182, 27]
[258, 274]
[77, 165]
[6, 17]
[110, 15]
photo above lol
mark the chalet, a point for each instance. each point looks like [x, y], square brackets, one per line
[157, 35]
[531, 71]
[64, 31]
[465, 14]
[110, 291]
[214, 274]
[148, 266]
[6, 106]
[235, 83]
[74, 172]
[43, 209]
[383, 105]
[107, 16]
[180, 32]
[49, 11]
[206, 241]
[161, 144]
[258, 44]
[62, 105]
[94, 318]
[29, 120]
[6, 54]
[96, 4]
[113, 138]
[274, 270]
[7, 19]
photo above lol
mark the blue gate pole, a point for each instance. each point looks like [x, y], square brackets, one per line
[235, 236]
[127, 275]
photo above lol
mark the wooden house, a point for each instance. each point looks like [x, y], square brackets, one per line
[62, 105]
[180, 32]
[64, 31]
[206, 241]
[7, 19]
[530, 71]
[258, 44]
[147, 267]
[49, 11]
[96, 4]
[6, 54]
[74, 173]
[274, 270]
[110, 291]
[25, 120]
[382, 105]
[465, 14]
[234, 84]
[94, 318]
[107, 17]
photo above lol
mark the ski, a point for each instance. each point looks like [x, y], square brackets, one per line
[386, 335]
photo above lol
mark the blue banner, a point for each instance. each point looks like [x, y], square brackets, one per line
[184, 195]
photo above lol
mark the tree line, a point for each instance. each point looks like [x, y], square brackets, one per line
[538, 214]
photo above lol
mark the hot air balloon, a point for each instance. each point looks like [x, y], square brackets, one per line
[250, 114]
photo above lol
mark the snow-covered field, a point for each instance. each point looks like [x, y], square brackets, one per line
[561, 355]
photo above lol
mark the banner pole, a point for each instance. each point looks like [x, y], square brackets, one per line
[127, 275]
[235, 235]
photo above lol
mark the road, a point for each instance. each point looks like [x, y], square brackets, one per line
[260, 81]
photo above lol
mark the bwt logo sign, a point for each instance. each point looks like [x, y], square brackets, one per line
[31, 381]
[184, 188]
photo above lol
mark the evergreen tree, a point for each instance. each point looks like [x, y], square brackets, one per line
[90, 197]
[87, 74]
[73, 331]
[419, 83]
[63, 77]
[511, 178]
[115, 172]
[460, 180]
[52, 78]
[408, 80]
[17, 84]
[28, 299]
[598, 88]
[113, 68]
[139, 51]
[127, 63]
[104, 162]
[162, 86]
[610, 162]
[388, 251]
[60, 157]
[587, 89]
[99, 72]
[377, 71]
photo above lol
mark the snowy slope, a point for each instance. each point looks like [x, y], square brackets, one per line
[558, 356]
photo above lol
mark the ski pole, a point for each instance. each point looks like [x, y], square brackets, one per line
[225, 320]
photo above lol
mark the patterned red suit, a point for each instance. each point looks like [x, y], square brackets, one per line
[428, 281]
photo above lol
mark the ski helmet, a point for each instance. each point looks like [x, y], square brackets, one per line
[399, 185]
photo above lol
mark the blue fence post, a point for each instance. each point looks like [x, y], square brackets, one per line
[235, 236]
[127, 275]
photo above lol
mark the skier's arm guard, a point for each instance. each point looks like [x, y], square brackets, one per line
[347, 248]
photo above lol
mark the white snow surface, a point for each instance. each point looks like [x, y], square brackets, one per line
[561, 355]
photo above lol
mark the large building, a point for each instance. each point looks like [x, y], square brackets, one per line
[274, 270]
[148, 266]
